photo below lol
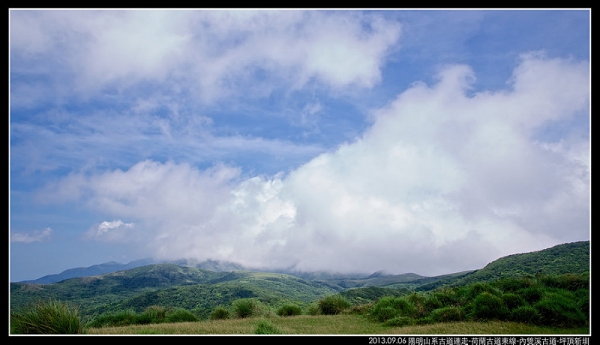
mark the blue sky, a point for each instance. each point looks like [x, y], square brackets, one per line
[425, 141]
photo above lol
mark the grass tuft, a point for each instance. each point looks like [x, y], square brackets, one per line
[52, 317]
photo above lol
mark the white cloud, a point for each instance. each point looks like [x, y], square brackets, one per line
[35, 236]
[443, 181]
[113, 231]
[219, 53]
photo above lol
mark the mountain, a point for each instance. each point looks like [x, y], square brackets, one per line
[94, 270]
[201, 290]
[112, 266]
[169, 285]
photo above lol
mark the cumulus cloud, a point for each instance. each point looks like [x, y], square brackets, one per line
[215, 53]
[35, 236]
[113, 231]
[444, 180]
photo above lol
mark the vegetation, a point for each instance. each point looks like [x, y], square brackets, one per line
[333, 305]
[335, 324]
[220, 313]
[289, 310]
[152, 297]
[50, 317]
[266, 327]
[539, 300]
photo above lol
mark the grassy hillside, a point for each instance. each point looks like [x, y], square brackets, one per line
[201, 291]
[170, 286]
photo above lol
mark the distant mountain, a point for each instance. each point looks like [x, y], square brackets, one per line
[210, 265]
[201, 290]
[171, 286]
[94, 270]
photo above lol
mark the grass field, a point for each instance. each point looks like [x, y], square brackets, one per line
[331, 324]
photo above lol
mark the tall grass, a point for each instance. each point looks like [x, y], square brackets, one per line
[266, 327]
[52, 317]
[245, 307]
[332, 305]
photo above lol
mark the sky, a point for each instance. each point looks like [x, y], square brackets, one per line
[350, 141]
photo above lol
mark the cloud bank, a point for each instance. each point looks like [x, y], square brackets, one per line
[443, 176]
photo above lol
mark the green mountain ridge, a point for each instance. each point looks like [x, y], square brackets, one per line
[201, 290]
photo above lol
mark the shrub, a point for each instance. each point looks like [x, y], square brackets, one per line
[181, 315]
[156, 313]
[476, 289]
[428, 320]
[446, 297]
[400, 321]
[361, 309]
[333, 305]
[583, 301]
[52, 317]
[488, 306]
[121, 318]
[219, 313]
[266, 327]
[531, 294]
[567, 281]
[389, 307]
[432, 302]
[245, 307]
[514, 284]
[289, 310]
[447, 314]
[512, 300]
[313, 309]
[559, 311]
[525, 314]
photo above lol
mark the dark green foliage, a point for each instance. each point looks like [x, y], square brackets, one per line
[371, 294]
[121, 318]
[52, 317]
[156, 313]
[181, 315]
[556, 309]
[525, 314]
[570, 282]
[447, 314]
[153, 314]
[389, 307]
[446, 296]
[219, 313]
[400, 321]
[333, 305]
[513, 284]
[489, 307]
[512, 300]
[245, 307]
[569, 258]
[289, 310]
[266, 327]
[583, 301]
[531, 294]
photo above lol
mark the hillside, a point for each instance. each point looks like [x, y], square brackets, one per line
[564, 258]
[171, 286]
[201, 290]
